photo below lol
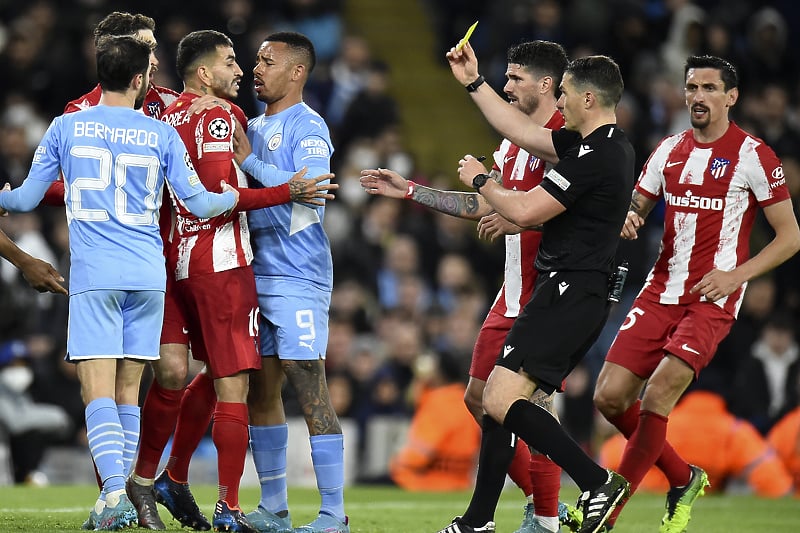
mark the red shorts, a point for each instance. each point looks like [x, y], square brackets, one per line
[690, 332]
[175, 329]
[221, 311]
[489, 344]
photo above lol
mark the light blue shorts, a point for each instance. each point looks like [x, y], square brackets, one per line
[114, 324]
[294, 319]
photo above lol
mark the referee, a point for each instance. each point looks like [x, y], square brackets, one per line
[581, 205]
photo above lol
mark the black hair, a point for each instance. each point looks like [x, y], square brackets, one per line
[545, 58]
[197, 45]
[121, 23]
[727, 72]
[601, 73]
[119, 59]
[299, 44]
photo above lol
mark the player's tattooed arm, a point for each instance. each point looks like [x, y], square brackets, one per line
[469, 205]
[641, 204]
[308, 380]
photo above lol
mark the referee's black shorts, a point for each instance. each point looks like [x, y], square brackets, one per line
[557, 326]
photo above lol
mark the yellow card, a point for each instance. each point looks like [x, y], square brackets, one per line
[466, 37]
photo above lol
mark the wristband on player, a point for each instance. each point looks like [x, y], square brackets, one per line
[472, 87]
[410, 191]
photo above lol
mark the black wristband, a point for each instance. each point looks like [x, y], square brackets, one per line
[472, 87]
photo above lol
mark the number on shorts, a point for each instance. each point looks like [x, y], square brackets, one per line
[253, 321]
[305, 320]
[630, 320]
[119, 170]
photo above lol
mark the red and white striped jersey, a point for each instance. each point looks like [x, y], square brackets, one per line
[207, 245]
[521, 172]
[711, 192]
[156, 100]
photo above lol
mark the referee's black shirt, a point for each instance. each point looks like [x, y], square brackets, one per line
[593, 180]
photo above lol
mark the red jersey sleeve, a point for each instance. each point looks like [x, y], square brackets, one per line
[250, 199]
[54, 194]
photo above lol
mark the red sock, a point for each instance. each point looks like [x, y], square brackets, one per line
[674, 467]
[231, 439]
[197, 406]
[159, 414]
[643, 448]
[546, 478]
[518, 471]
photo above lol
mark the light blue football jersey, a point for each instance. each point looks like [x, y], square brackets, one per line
[114, 161]
[288, 239]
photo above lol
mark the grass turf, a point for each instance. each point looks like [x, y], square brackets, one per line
[389, 510]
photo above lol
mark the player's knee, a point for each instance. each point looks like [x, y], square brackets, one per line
[171, 373]
[609, 403]
[474, 403]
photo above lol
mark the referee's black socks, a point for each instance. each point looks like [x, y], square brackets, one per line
[541, 431]
[497, 451]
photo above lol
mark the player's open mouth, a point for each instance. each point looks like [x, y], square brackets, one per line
[257, 84]
[699, 110]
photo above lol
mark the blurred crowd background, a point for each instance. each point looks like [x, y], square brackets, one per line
[409, 282]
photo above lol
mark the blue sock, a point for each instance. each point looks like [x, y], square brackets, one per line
[268, 444]
[129, 417]
[106, 442]
[327, 454]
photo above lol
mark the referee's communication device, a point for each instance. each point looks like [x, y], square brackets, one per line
[616, 282]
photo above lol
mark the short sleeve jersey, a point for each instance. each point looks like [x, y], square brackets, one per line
[203, 245]
[289, 240]
[711, 193]
[156, 101]
[593, 179]
[114, 161]
[521, 171]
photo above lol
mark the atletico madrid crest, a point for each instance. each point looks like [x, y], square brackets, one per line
[718, 167]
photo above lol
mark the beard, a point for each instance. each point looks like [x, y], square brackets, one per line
[528, 105]
[139, 101]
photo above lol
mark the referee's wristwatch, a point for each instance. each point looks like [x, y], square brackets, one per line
[479, 181]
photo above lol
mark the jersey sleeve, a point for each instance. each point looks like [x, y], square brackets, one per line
[767, 179]
[44, 170]
[563, 140]
[214, 135]
[572, 177]
[312, 146]
[651, 179]
[250, 199]
[178, 167]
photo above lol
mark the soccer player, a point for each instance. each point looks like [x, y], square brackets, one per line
[712, 177]
[156, 99]
[579, 202]
[294, 277]
[39, 274]
[114, 161]
[534, 74]
[206, 258]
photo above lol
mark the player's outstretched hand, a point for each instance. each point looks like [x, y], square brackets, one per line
[311, 190]
[42, 276]
[6, 188]
[463, 63]
[493, 226]
[384, 182]
[207, 101]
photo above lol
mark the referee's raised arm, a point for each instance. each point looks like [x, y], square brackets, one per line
[509, 121]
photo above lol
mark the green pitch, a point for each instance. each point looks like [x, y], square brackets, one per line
[389, 510]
